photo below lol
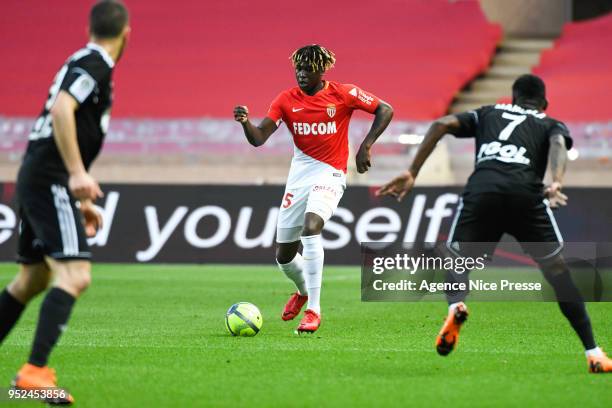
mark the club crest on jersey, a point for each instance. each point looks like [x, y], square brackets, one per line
[331, 110]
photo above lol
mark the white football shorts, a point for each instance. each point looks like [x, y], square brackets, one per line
[319, 198]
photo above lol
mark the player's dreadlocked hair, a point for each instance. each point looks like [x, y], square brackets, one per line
[319, 58]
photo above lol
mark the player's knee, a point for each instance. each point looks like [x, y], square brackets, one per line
[309, 231]
[553, 268]
[85, 281]
[29, 283]
[282, 258]
[75, 278]
[312, 226]
[283, 255]
[38, 285]
[25, 289]
[81, 281]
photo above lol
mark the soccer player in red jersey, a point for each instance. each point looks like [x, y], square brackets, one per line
[317, 113]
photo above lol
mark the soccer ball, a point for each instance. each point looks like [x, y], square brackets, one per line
[243, 319]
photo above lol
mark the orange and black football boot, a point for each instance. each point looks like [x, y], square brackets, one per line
[310, 322]
[31, 377]
[599, 364]
[294, 306]
[449, 333]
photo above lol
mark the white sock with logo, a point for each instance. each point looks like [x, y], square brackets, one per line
[313, 269]
[595, 352]
[294, 271]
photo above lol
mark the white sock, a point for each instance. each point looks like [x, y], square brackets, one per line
[313, 269]
[294, 271]
[595, 352]
[453, 306]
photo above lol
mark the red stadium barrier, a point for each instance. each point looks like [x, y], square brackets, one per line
[195, 58]
[577, 71]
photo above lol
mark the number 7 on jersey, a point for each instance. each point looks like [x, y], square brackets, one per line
[515, 121]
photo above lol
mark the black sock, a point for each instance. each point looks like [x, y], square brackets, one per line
[54, 313]
[572, 306]
[577, 315]
[10, 311]
[455, 296]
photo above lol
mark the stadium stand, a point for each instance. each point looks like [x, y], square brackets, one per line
[188, 60]
[577, 71]
[186, 67]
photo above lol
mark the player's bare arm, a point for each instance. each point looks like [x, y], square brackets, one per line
[557, 157]
[81, 184]
[256, 135]
[382, 117]
[402, 184]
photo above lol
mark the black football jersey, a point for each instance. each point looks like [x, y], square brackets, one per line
[87, 77]
[512, 144]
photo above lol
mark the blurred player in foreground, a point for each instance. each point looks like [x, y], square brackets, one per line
[505, 194]
[55, 193]
[317, 113]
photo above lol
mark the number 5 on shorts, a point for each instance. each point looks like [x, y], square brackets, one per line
[287, 200]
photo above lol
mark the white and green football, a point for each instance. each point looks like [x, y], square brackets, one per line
[243, 319]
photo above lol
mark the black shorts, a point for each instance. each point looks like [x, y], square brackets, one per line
[482, 218]
[50, 224]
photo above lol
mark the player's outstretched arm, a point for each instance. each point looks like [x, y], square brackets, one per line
[557, 157]
[382, 117]
[256, 135]
[402, 184]
[81, 184]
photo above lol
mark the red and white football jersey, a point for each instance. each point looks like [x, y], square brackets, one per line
[319, 125]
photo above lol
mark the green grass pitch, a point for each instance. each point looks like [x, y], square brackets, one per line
[153, 335]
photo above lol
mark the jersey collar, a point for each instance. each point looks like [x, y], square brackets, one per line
[107, 58]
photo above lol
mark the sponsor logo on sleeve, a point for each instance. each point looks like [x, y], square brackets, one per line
[82, 87]
[362, 96]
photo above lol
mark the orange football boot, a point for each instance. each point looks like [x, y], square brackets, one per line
[599, 364]
[31, 377]
[310, 322]
[449, 333]
[294, 306]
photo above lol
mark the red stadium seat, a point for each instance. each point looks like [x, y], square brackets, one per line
[200, 58]
[577, 71]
